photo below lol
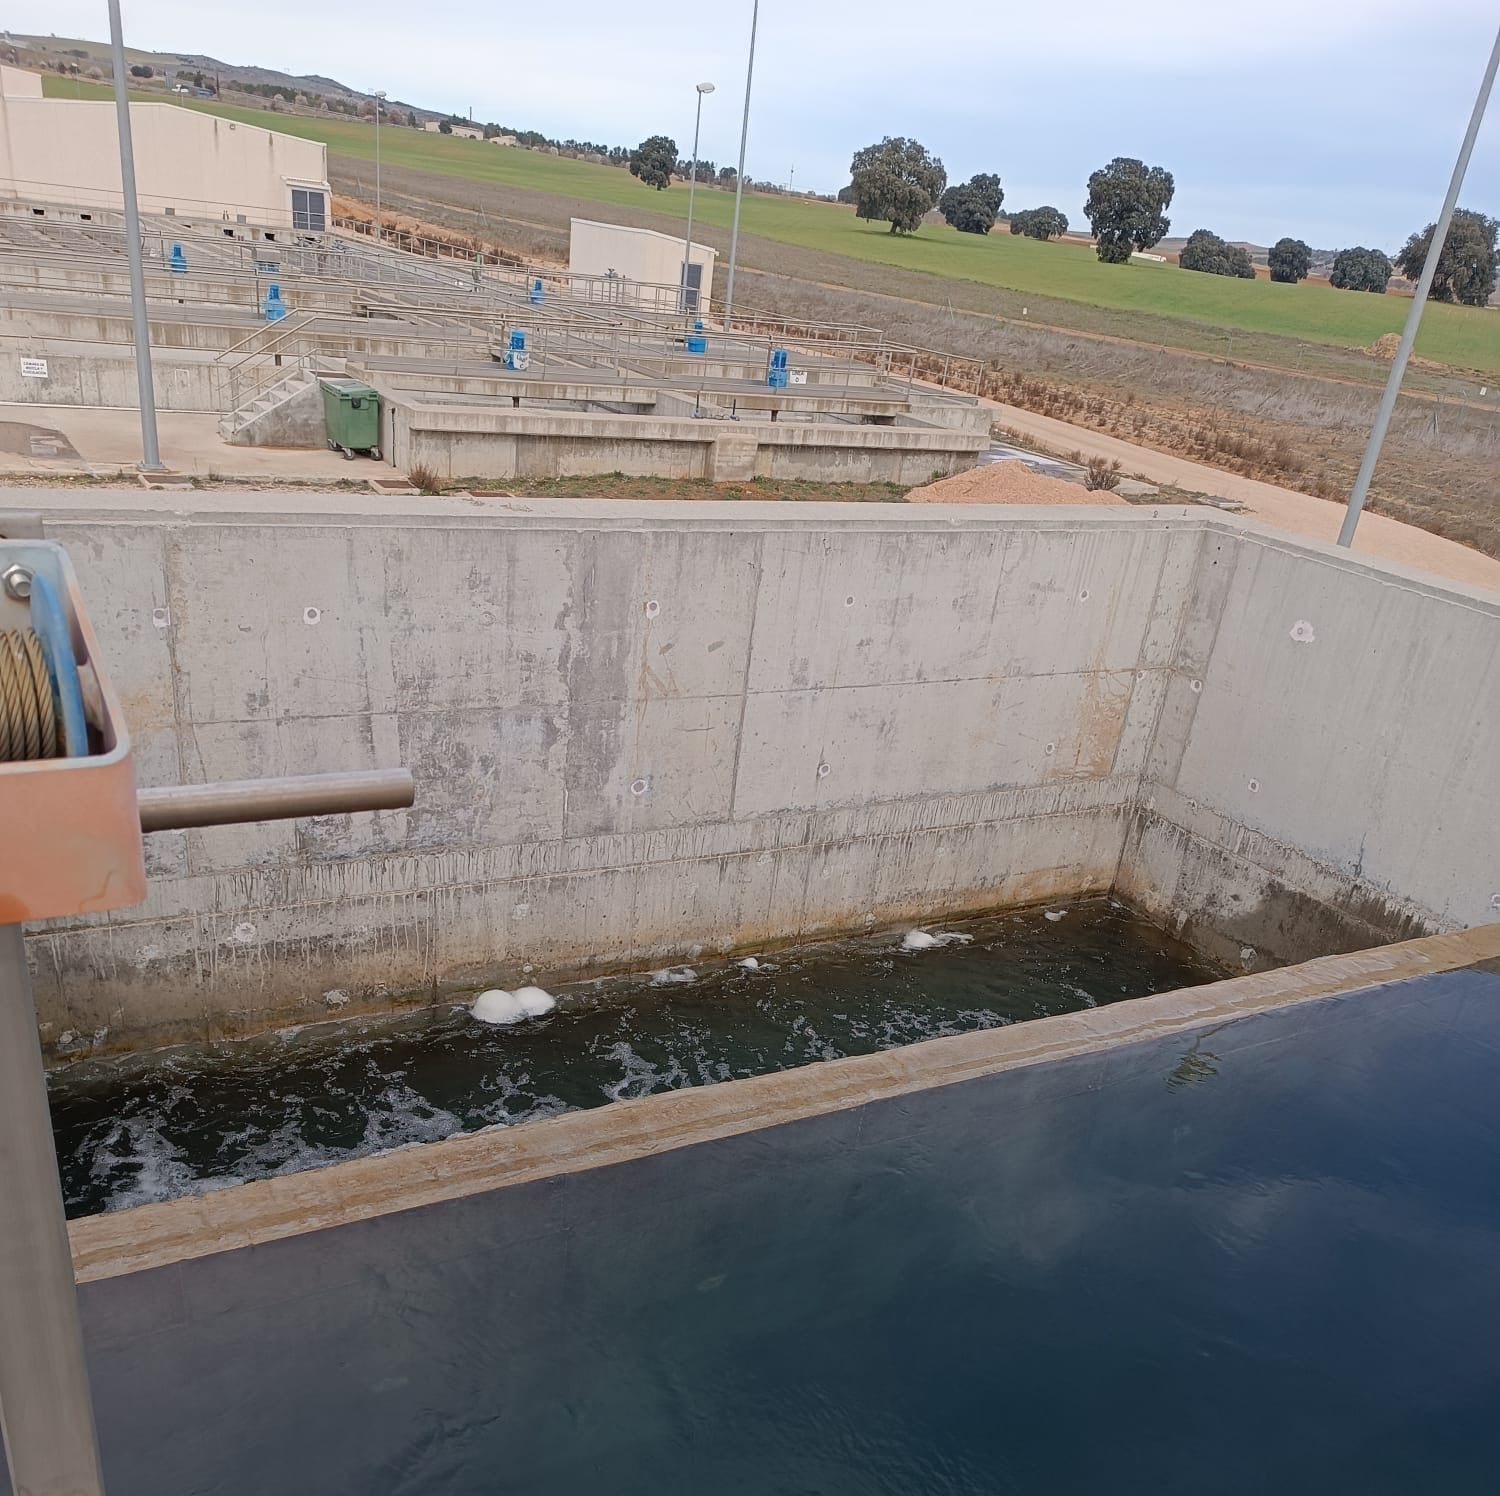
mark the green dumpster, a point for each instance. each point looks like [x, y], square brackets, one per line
[351, 412]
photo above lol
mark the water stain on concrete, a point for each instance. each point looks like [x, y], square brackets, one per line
[19, 439]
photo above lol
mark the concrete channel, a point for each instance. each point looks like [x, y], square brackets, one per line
[643, 732]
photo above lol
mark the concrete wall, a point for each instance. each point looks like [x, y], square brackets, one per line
[642, 732]
[493, 440]
[635, 254]
[104, 378]
[67, 150]
[214, 329]
[636, 736]
[1324, 776]
[38, 274]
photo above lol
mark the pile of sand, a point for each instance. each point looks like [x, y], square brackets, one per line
[1007, 483]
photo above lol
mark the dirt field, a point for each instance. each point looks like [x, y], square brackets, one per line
[1287, 413]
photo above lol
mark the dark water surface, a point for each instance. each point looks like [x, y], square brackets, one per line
[179, 1121]
[1255, 1260]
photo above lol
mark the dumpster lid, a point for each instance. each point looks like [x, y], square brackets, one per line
[347, 386]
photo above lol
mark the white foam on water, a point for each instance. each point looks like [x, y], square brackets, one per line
[499, 1113]
[498, 1006]
[672, 976]
[641, 1077]
[923, 940]
[158, 1168]
[748, 963]
[535, 1001]
[1053, 914]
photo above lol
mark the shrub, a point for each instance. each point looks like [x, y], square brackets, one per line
[1103, 474]
[1206, 252]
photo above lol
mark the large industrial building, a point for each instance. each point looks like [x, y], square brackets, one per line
[188, 164]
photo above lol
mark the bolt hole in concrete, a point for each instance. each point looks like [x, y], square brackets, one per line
[181, 1121]
[653, 608]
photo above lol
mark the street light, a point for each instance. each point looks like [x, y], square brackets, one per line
[140, 324]
[739, 181]
[687, 264]
[379, 97]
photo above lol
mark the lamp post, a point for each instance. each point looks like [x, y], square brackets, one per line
[687, 263]
[739, 181]
[141, 326]
[379, 97]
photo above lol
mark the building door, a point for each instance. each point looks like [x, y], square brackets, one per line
[692, 284]
[309, 209]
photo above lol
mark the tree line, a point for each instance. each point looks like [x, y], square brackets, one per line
[898, 181]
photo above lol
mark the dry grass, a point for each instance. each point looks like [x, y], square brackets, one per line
[424, 479]
[1103, 475]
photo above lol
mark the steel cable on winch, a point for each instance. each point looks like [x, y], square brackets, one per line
[28, 716]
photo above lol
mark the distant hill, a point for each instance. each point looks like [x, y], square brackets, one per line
[67, 54]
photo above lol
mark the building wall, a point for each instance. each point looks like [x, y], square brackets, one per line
[67, 150]
[635, 254]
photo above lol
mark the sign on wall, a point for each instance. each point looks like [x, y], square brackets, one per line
[34, 368]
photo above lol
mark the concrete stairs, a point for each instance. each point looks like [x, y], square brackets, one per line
[288, 413]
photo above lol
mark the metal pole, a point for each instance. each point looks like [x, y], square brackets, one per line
[150, 451]
[45, 1410]
[739, 181]
[378, 97]
[692, 189]
[236, 802]
[1418, 302]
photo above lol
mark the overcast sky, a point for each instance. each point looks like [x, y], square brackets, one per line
[1335, 123]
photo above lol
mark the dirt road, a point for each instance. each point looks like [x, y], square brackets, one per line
[1299, 513]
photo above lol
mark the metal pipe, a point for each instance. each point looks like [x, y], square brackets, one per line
[45, 1409]
[739, 181]
[180, 806]
[150, 451]
[1414, 315]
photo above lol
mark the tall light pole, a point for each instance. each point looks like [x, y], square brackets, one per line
[739, 181]
[379, 97]
[1414, 315]
[146, 391]
[687, 263]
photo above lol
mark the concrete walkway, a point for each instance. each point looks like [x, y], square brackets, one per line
[1282, 508]
[108, 441]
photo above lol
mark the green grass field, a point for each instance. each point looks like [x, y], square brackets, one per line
[1463, 337]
